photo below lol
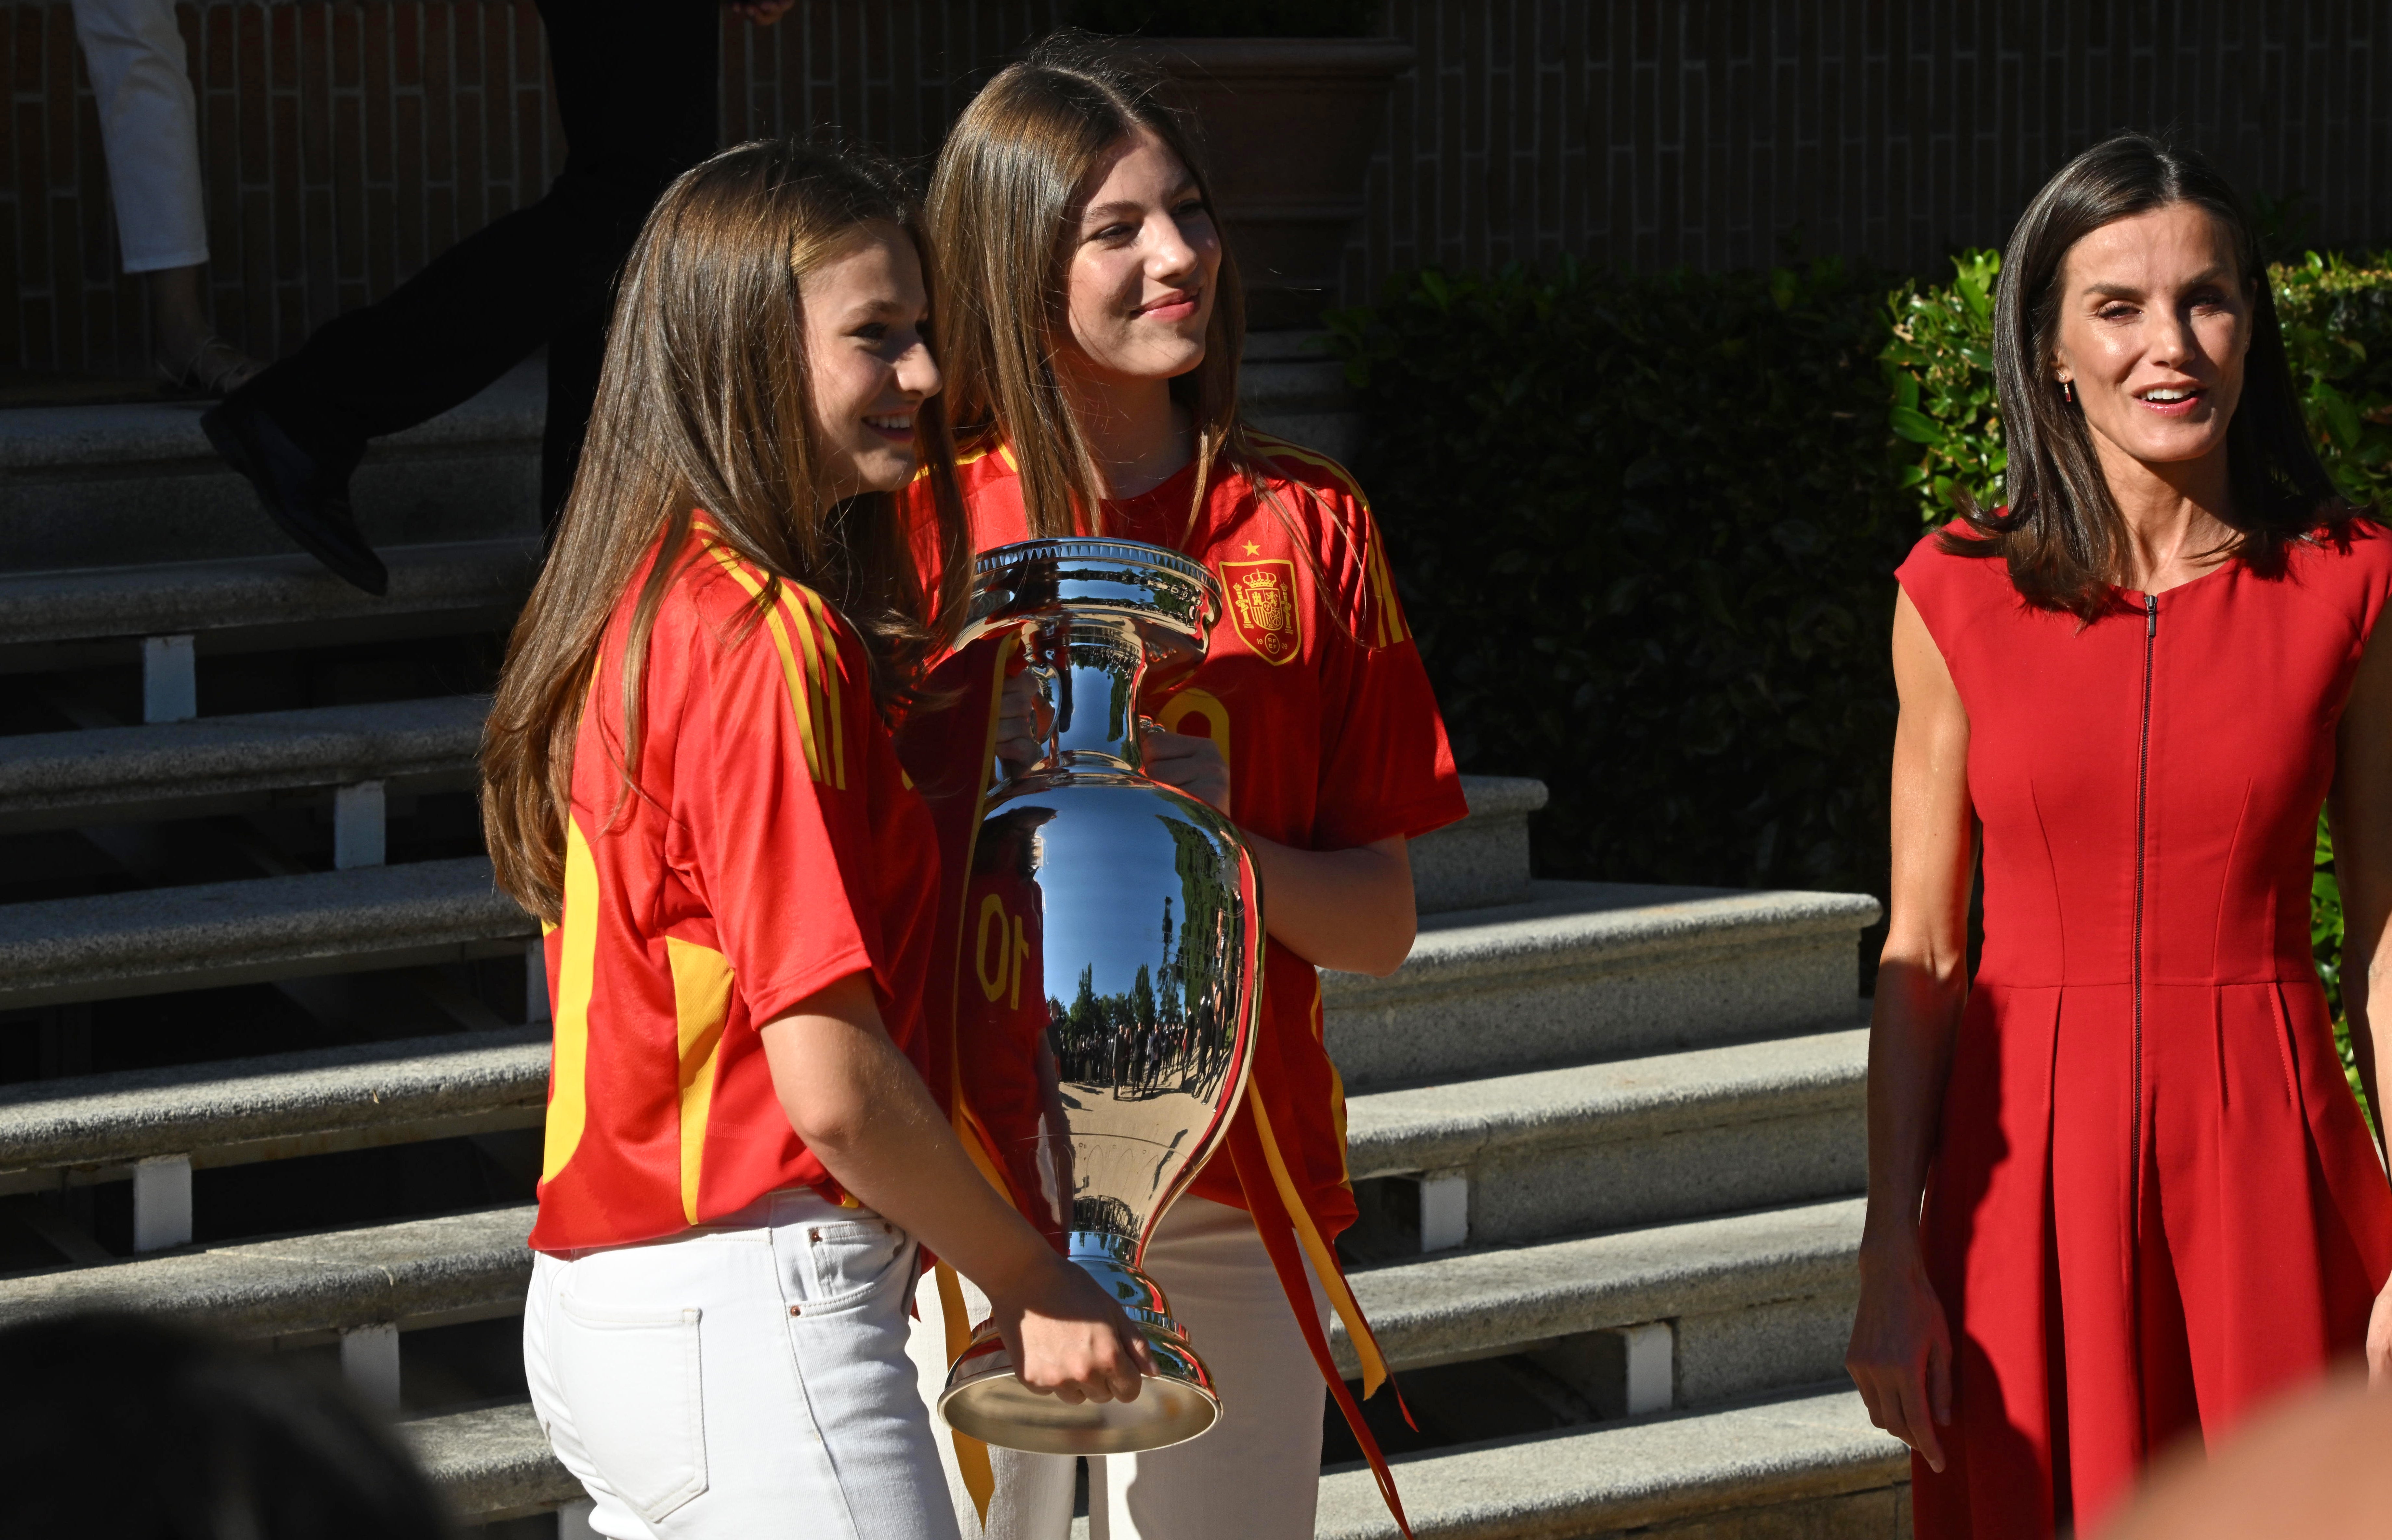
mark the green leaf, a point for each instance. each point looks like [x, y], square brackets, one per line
[1914, 425]
[2341, 417]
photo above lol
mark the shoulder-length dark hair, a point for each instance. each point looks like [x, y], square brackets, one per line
[703, 404]
[2062, 534]
[1004, 201]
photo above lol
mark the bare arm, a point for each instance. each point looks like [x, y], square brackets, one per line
[1901, 1352]
[1350, 909]
[2359, 812]
[860, 1106]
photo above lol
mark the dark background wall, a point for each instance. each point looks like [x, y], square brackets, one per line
[1650, 132]
[347, 143]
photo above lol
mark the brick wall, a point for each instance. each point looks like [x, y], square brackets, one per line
[346, 143]
[1656, 132]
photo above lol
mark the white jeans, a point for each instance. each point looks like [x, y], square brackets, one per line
[745, 1379]
[148, 125]
[1255, 1475]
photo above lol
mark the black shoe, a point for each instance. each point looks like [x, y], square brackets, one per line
[307, 497]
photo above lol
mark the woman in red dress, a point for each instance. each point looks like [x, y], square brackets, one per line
[2119, 1191]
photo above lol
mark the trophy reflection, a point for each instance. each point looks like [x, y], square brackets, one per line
[1112, 970]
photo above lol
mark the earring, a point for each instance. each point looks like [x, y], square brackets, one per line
[2068, 391]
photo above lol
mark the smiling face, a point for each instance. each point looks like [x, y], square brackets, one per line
[1138, 278]
[2154, 324]
[869, 364]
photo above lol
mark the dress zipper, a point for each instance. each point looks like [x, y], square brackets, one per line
[2142, 798]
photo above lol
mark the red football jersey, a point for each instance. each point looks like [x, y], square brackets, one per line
[1315, 690]
[772, 847]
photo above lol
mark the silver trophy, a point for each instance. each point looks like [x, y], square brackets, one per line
[1111, 973]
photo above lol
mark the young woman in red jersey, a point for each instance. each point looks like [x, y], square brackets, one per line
[1091, 341]
[687, 775]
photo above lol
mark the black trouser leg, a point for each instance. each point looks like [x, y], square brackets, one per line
[636, 89]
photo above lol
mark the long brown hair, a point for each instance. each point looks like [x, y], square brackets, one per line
[2065, 541]
[703, 405]
[1011, 180]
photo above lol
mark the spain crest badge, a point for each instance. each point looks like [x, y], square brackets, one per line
[1262, 601]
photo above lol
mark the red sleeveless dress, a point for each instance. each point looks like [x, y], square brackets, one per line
[2154, 1203]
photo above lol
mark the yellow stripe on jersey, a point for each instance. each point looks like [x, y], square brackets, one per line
[1389, 627]
[1272, 446]
[568, 1087]
[802, 679]
[821, 633]
[701, 978]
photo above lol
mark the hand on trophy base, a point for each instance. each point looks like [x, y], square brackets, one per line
[985, 1399]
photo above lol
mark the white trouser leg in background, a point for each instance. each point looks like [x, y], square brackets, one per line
[744, 1381]
[149, 124]
[1255, 1476]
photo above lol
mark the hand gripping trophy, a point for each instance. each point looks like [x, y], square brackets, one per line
[1112, 974]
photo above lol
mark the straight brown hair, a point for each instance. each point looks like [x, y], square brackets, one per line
[1010, 184]
[2066, 544]
[703, 405]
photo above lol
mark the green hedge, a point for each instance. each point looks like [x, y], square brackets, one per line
[1646, 527]
[1643, 527]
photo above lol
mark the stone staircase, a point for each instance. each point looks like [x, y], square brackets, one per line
[273, 1054]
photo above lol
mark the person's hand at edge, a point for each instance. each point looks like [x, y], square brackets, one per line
[1901, 1352]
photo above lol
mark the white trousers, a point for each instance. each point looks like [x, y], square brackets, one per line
[149, 124]
[1255, 1475]
[744, 1381]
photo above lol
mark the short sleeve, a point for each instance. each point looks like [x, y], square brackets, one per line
[1944, 587]
[777, 833]
[2371, 548]
[1386, 767]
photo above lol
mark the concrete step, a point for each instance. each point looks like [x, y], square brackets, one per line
[1597, 970]
[308, 1288]
[1751, 1301]
[217, 764]
[1289, 386]
[490, 1462]
[102, 486]
[211, 933]
[1484, 858]
[227, 1112]
[1805, 1463]
[1637, 1141]
[95, 616]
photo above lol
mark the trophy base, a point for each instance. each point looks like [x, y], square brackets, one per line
[984, 1399]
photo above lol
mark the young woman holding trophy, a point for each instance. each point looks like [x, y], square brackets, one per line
[1091, 338]
[687, 775]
